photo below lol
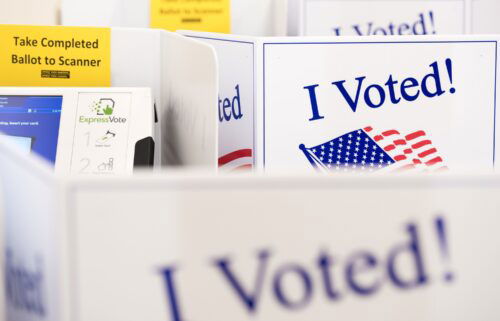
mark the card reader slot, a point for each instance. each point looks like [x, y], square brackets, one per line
[144, 153]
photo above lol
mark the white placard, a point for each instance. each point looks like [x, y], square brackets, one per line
[401, 102]
[337, 90]
[382, 18]
[185, 246]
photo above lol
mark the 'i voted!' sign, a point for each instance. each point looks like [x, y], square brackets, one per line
[358, 104]
[380, 105]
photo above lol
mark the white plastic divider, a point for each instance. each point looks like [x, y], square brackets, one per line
[188, 246]
[183, 76]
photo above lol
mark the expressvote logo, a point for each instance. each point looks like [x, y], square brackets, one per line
[369, 149]
[101, 111]
[324, 276]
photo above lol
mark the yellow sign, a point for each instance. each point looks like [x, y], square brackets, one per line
[55, 56]
[199, 15]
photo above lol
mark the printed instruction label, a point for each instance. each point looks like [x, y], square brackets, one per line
[200, 15]
[101, 134]
[55, 56]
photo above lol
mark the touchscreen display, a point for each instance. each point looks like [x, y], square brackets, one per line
[32, 122]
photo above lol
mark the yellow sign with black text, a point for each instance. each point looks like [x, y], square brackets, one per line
[55, 56]
[199, 15]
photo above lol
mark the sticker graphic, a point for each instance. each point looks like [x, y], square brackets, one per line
[238, 160]
[104, 106]
[365, 150]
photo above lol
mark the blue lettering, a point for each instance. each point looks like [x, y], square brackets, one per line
[230, 108]
[353, 103]
[411, 250]
[422, 26]
[314, 102]
[249, 299]
[374, 95]
[301, 273]
[325, 264]
[359, 263]
[173, 301]
[24, 286]
[407, 84]
[381, 94]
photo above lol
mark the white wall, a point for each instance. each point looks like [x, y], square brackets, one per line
[37, 12]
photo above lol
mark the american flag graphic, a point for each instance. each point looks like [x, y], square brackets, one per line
[238, 160]
[368, 150]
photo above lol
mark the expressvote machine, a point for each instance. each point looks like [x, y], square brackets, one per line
[90, 131]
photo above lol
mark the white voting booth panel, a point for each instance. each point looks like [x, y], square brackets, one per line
[351, 103]
[168, 63]
[256, 17]
[391, 17]
[195, 247]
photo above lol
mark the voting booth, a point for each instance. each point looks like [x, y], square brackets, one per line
[192, 246]
[399, 17]
[256, 17]
[185, 110]
[307, 104]
[103, 131]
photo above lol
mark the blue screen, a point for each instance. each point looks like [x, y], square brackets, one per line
[34, 120]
